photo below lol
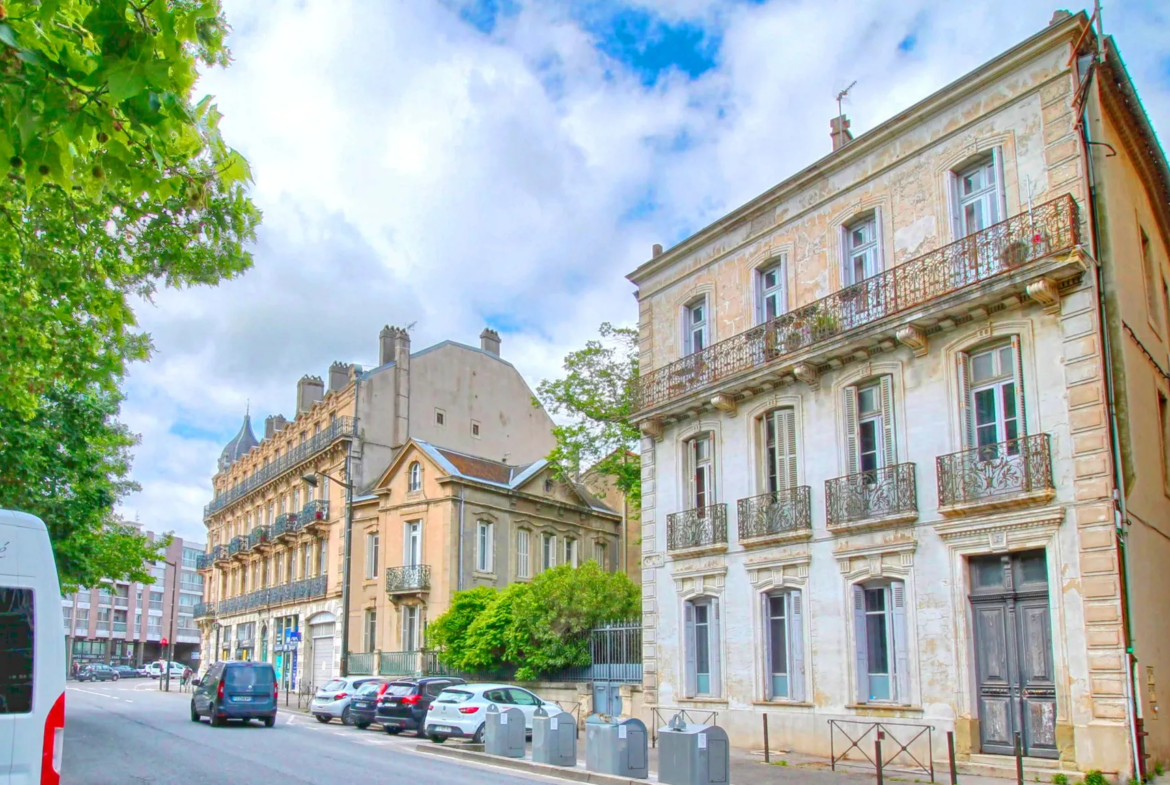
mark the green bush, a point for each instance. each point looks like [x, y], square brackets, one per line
[486, 647]
[448, 633]
[1095, 778]
[1059, 779]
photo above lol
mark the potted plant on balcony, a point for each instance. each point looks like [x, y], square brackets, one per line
[1015, 253]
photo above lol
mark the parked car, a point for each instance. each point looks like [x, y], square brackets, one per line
[236, 691]
[332, 700]
[403, 705]
[126, 672]
[144, 671]
[458, 712]
[158, 669]
[97, 671]
[364, 704]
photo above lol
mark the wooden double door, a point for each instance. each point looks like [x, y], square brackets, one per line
[1016, 687]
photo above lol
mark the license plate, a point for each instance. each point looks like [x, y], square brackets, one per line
[243, 698]
[361, 705]
[441, 728]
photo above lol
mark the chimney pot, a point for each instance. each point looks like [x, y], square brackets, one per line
[489, 341]
[839, 131]
[339, 375]
[657, 250]
[310, 389]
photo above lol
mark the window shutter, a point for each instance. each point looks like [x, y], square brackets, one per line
[689, 629]
[1000, 187]
[859, 644]
[796, 676]
[889, 443]
[766, 626]
[953, 198]
[966, 413]
[1018, 359]
[901, 650]
[716, 660]
[852, 460]
[880, 237]
[786, 468]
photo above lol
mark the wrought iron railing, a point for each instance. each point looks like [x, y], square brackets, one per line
[871, 494]
[616, 651]
[315, 510]
[237, 545]
[219, 552]
[1010, 468]
[340, 428]
[698, 527]
[399, 663]
[204, 609]
[363, 663]
[407, 579]
[779, 512]
[286, 523]
[204, 561]
[308, 589]
[1042, 231]
[259, 536]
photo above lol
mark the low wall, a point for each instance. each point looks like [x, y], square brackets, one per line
[570, 693]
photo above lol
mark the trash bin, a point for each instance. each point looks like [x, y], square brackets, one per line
[616, 746]
[690, 754]
[503, 732]
[554, 737]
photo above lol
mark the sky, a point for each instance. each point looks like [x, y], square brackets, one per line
[456, 164]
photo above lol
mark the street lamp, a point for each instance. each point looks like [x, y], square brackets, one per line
[311, 481]
[169, 643]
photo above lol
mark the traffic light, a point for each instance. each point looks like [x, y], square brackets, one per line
[164, 641]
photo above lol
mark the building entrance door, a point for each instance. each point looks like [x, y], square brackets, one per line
[1016, 689]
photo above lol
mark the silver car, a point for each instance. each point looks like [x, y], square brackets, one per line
[332, 700]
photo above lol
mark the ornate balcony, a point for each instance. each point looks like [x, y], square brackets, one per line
[1007, 474]
[286, 523]
[408, 580]
[260, 535]
[204, 610]
[316, 511]
[238, 546]
[308, 589]
[204, 561]
[1013, 249]
[874, 498]
[777, 516]
[220, 553]
[703, 528]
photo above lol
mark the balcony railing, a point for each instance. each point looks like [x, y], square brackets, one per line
[340, 428]
[203, 610]
[315, 510]
[363, 663]
[286, 523]
[204, 561]
[121, 602]
[219, 552]
[700, 527]
[399, 663]
[307, 589]
[400, 580]
[259, 536]
[880, 493]
[777, 513]
[120, 627]
[238, 545]
[1045, 230]
[996, 471]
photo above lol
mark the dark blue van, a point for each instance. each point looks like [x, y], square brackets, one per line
[236, 691]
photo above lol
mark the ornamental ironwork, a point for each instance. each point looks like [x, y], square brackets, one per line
[871, 494]
[1044, 230]
[697, 528]
[411, 578]
[286, 523]
[1012, 468]
[203, 610]
[204, 561]
[259, 536]
[219, 552]
[310, 588]
[315, 510]
[779, 512]
[237, 545]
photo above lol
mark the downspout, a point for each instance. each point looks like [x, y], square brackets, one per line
[459, 577]
[357, 381]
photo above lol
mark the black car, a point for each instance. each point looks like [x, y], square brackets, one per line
[98, 671]
[236, 691]
[126, 672]
[405, 702]
[364, 703]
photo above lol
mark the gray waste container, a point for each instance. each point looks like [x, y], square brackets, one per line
[554, 737]
[691, 754]
[616, 746]
[503, 733]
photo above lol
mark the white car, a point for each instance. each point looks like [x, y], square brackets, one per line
[158, 669]
[458, 712]
[332, 700]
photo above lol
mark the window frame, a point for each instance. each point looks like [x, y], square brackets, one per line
[571, 552]
[700, 471]
[871, 249]
[779, 444]
[372, 543]
[414, 479]
[896, 635]
[969, 389]
[523, 554]
[600, 554]
[694, 686]
[693, 327]
[412, 544]
[884, 419]
[991, 160]
[548, 551]
[484, 546]
[411, 627]
[777, 293]
[371, 629]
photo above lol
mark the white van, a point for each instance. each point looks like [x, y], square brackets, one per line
[158, 670]
[32, 654]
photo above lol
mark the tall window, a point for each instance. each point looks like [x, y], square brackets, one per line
[548, 551]
[784, 646]
[483, 546]
[770, 284]
[701, 620]
[869, 423]
[780, 470]
[371, 628]
[271, 508]
[371, 555]
[523, 567]
[994, 405]
[599, 555]
[861, 250]
[1149, 269]
[410, 637]
[978, 196]
[879, 618]
[696, 326]
[322, 554]
[1164, 419]
[415, 476]
[412, 544]
[291, 566]
[306, 560]
[701, 471]
[296, 499]
[570, 552]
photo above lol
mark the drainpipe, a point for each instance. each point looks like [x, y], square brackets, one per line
[459, 579]
[349, 482]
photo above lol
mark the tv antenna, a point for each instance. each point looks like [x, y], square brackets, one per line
[841, 96]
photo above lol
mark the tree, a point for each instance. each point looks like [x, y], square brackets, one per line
[69, 465]
[596, 398]
[448, 633]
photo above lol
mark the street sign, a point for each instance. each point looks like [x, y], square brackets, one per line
[292, 636]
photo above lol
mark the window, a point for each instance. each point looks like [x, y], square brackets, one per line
[548, 551]
[290, 566]
[599, 555]
[701, 471]
[784, 646]
[879, 617]
[271, 512]
[371, 555]
[522, 559]
[307, 560]
[475, 429]
[869, 423]
[994, 405]
[548, 485]
[296, 499]
[415, 476]
[696, 338]
[779, 435]
[322, 554]
[483, 546]
[371, 628]
[1164, 419]
[16, 650]
[412, 546]
[862, 250]
[570, 552]
[440, 417]
[1151, 275]
[701, 619]
[770, 285]
[410, 628]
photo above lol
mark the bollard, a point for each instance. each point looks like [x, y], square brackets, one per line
[1019, 760]
[951, 756]
[877, 757]
[767, 756]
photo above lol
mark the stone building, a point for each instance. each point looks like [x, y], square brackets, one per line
[892, 411]
[276, 527]
[442, 520]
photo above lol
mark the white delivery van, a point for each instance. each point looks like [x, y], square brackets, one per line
[32, 654]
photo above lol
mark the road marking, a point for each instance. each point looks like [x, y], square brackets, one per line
[91, 692]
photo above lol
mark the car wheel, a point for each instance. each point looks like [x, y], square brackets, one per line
[216, 721]
[346, 716]
[478, 737]
[194, 714]
[115, 677]
[321, 718]
[361, 725]
[393, 731]
[270, 722]
[438, 739]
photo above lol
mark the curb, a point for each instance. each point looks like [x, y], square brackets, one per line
[523, 764]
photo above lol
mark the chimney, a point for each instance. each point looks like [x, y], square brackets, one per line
[839, 130]
[385, 346]
[270, 426]
[657, 250]
[310, 389]
[280, 422]
[339, 374]
[401, 345]
[489, 341]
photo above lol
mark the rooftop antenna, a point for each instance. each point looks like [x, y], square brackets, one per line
[841, 96]
[410, 326]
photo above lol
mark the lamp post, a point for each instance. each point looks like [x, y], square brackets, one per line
[169, 642]
[311, 481]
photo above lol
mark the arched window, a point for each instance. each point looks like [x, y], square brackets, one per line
[415, 476]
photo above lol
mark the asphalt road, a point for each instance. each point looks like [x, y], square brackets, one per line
[127, 732]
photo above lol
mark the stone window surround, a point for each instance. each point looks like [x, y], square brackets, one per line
[706, 578]
[773, 574]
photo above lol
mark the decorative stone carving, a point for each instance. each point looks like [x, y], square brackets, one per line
[807, 374]
[651, 428]
[1046, 292]
[724, 403]
[915, 338]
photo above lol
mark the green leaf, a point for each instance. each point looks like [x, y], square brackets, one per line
[8, 36]
[125, 83]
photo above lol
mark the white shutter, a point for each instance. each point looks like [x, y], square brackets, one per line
[713, 639]
[1000, 185]
[1018, 359]
[689, 631]
[889, 444]
[766, 617]
[859, 644]
[880, 237]
[786, 468]
[901, 649]
[966, 413]
[796, 677]
[852, 459]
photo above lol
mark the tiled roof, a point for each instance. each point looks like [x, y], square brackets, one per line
[481, 468]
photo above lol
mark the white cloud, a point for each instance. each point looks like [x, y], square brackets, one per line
[411, 168]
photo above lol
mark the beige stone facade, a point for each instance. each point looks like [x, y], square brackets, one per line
[878, 470]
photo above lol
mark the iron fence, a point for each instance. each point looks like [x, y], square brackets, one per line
[1041, 231]
[399, 663]
[363, 664]
[1010, 468]
[695, 528]
[902, 737]
[616, 650]
[238, 545]
[779, 512]
[219, 552]
[872, 494]
[411, 578]
[203, 609]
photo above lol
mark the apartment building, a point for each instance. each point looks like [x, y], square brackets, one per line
[124, 623]
[276, 527]
[892, 413]
[442, 520]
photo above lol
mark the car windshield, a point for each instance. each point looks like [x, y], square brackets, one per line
[369, 688]
[333, 686]
[247, 677]
[453, 696]
[399, 690]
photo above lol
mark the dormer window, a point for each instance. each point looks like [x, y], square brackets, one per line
[696, 326]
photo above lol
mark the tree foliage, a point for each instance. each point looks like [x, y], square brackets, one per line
[596, 399]
[448, 633]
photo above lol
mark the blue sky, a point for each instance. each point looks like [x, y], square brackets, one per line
[461, 163]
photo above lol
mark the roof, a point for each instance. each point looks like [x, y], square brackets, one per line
[435, 348]
[240, 445]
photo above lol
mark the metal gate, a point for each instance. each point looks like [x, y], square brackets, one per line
[616, 649]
